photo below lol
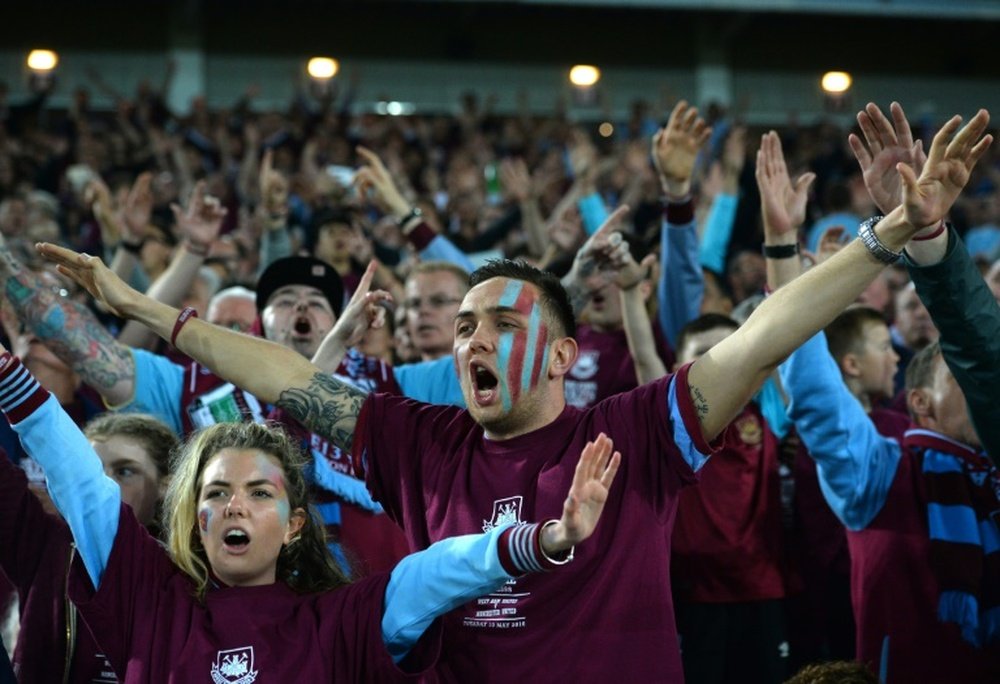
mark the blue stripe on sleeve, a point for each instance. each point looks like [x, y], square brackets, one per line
[990, 535]
[689, 452]
[935, 462]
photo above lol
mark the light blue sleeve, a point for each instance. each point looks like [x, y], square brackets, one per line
[159, 385]
[429, 583]
[432, 382]
[772, 407]
[443, 249]
[689, 451]
[718, 230]
[88, 500]
[681, 285]
[593, 213]
[856, 465]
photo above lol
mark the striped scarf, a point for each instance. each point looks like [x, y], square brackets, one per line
[963, 513]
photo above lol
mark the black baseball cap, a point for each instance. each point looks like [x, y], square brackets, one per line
[301, 270]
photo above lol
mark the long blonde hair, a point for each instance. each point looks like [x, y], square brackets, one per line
[305, 565]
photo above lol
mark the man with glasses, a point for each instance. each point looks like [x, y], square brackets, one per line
[434, 290]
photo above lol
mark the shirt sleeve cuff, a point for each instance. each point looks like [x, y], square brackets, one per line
[520, 550]
[421, 236]
[20, 393]
[679, 213]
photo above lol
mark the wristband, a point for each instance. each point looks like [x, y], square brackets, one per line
[183, 317]
[781, 251]
[197, 250]
[940, 229]
[133, 248]
[866, 231]
[413, 213]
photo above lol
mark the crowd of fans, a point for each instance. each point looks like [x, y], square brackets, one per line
[383, 218]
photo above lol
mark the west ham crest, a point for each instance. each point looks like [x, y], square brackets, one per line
[505, 512]
[234, 666]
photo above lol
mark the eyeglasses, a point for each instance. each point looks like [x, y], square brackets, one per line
[434, 302]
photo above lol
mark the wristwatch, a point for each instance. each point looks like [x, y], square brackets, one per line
[414, 213]
[866, 231]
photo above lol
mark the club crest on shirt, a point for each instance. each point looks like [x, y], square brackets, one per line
[505, 512]
[234, 666]
[586, 365]
[750, 430]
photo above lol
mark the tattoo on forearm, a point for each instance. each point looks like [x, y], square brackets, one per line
[700, 404]
[328, 407]
[70, 330]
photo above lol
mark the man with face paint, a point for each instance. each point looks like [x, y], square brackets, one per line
[441, 470]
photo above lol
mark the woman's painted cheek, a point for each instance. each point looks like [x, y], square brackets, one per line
[204, 517]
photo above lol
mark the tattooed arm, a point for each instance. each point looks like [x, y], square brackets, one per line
[70, 330]
[271, 372]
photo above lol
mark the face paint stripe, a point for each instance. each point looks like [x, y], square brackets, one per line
[534, 321]
[504, 348]
[511, 292]
[541, 355]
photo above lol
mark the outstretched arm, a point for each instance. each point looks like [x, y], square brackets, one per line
[428, 584]
[69, 329]
[725, 378]
[88, 500]
[325, 405]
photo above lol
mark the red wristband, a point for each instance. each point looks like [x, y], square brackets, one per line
[940, 229]
[182, 318]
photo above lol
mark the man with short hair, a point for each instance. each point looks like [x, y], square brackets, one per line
[433, 291]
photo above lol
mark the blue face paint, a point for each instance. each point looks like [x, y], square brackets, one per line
[505, 345]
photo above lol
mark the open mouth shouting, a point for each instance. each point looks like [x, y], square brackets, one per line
[485, 384]
[302, 327]
[235, 541]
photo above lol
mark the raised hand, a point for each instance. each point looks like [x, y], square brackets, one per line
[587, 495]
[138, 208]
[273, 189]
[676, 147]
[90, 273]
[201, 221]
[783, 203]
[886, 145]
[516, 180]
[362, 313]
[927, 199]
[376, 177]
[601, 249]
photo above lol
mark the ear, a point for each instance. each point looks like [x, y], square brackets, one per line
[849, 365]
[919, 402]
[563, 355]
[296, 521]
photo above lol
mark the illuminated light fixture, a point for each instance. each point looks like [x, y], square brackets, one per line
[606, 129]
[584, 75]
[836, 82]
[323, 68]
[394, 108]
[42, 61]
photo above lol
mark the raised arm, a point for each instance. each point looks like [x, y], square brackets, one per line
[635, 319]
[69, 329]
[675, 149]
[946, 279]
[428, 584]
[88, 500]
[724, 379]
[199, 224]
[311, 396]
[361, 314]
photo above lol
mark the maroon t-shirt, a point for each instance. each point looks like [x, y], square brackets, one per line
[153, 629]
[35, 552]
[608, 616]
[728, 541]
[604, 367]
[894, 591]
